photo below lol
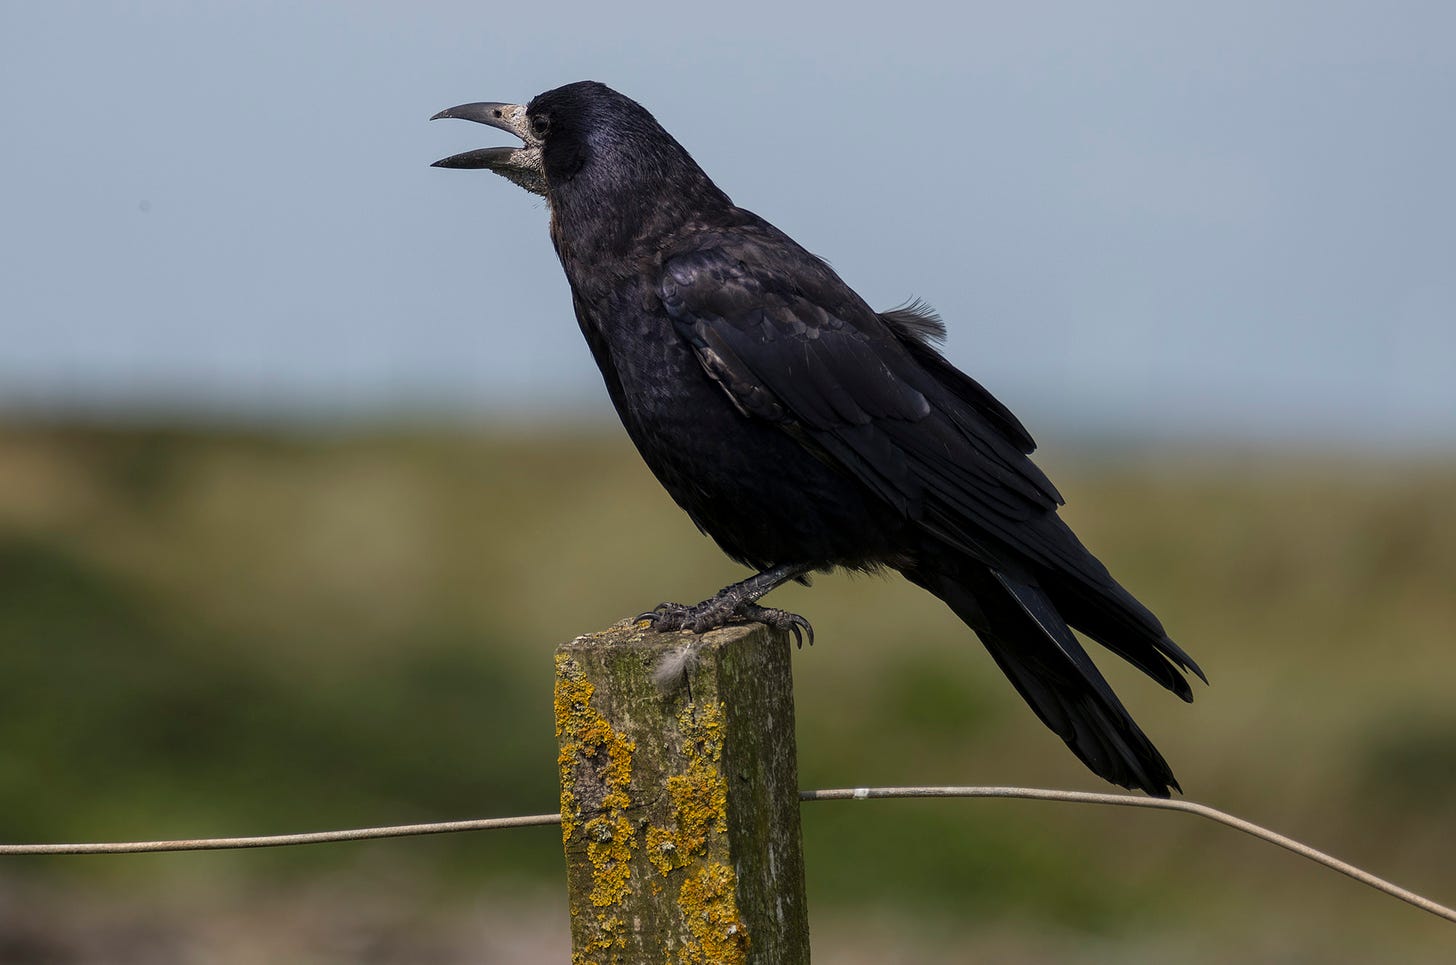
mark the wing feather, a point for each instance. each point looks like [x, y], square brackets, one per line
[799, 349]
[791, 344]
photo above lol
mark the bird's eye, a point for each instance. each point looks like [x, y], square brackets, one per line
[540, 124]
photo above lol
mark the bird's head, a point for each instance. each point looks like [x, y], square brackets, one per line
[584, 138]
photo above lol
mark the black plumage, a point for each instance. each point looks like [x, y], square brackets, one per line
[802, 430]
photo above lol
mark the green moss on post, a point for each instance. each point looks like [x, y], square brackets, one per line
[680, 798]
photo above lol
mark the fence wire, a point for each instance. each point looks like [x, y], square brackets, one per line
[832, 794]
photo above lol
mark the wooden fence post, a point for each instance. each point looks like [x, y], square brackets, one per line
[680, 798]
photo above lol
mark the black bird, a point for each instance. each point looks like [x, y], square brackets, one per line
[804, 431]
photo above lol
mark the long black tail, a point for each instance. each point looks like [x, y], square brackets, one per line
[1030, 641]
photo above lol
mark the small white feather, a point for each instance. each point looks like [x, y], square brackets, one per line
[674, 668]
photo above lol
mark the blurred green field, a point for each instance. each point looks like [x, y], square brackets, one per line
[235, 633]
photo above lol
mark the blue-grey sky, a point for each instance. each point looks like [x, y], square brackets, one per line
[1230, 220]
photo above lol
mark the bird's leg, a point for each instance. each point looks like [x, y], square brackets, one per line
[736, 602]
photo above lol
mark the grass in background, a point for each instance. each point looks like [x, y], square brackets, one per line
[233, 633]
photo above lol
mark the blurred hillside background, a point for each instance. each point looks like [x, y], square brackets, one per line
[304, 469]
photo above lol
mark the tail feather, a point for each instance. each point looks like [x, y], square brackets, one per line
[1114, 618]
[1032, 644]
[1090, 599]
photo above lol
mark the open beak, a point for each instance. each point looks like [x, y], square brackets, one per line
[521, 165]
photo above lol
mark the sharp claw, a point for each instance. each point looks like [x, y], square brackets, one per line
[666, 617]
[715, 612]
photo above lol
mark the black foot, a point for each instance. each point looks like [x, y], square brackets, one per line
[722, 610]
[781, 620]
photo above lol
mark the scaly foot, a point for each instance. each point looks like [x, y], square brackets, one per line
[721, 610]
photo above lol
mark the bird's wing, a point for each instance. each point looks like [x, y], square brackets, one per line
[790, 343]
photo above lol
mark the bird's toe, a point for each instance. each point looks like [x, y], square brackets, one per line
[665, 616]
[781, 620]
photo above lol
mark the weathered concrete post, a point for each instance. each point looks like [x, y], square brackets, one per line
[680, 798]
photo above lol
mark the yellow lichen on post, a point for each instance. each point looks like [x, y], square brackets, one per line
[698, 809]
[679, 799]
[698, 796]
[710, 910]
[593, 752]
